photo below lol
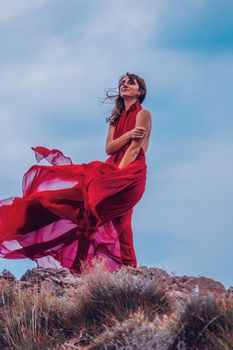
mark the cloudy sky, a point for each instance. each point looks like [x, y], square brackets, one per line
[57, 58]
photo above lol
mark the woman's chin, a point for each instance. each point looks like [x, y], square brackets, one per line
[128, 96]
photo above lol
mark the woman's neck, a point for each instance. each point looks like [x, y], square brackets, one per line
[129, 102]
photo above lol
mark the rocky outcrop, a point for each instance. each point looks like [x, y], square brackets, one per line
[97, 306]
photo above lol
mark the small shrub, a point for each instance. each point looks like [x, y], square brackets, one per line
[206, 324]
[109, 299]
[137, 332]
[113, 296]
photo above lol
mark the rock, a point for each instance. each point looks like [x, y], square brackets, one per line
[37, 274]
[206, 286]
[5, 274]
[72, 290]
[229, 292]
[162, 278]
[52, 280]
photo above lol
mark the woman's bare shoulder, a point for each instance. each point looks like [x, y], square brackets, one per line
[144, 115]
[145, 111]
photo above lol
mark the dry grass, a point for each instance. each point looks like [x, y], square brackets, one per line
[207, 324]
[6, 296]
[28, 321]
[110, 297]
[110, 311]
[136, 332]
[37, 320]
[32, 319]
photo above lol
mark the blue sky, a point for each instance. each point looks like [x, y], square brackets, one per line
[57, 58]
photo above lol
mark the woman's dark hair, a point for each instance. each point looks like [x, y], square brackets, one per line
[113, 95]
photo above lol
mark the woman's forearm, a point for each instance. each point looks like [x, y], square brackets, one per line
[114, 145]
[129, 156]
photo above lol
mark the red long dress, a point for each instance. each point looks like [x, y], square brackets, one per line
[70, 213]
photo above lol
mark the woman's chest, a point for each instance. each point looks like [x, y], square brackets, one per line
[125, 124]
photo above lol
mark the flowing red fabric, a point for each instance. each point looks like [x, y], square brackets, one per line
[70, 213]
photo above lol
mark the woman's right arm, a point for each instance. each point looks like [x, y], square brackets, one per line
[113, 146]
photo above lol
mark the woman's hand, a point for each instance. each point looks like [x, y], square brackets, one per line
[137, 133]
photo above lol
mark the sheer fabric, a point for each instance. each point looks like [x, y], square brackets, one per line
[70, 213]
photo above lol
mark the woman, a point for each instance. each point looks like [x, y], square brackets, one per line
[71, 213]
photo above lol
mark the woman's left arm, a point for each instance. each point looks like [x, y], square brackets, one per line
[143, 119]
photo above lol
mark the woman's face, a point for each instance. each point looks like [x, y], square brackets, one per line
[129, 88]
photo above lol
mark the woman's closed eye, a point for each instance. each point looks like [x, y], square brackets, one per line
[129, 82]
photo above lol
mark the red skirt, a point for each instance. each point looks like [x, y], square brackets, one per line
[70, 213]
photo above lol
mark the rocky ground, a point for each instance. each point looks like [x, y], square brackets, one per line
[144, 308]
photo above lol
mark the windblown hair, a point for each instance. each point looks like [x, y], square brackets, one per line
[113, 95]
